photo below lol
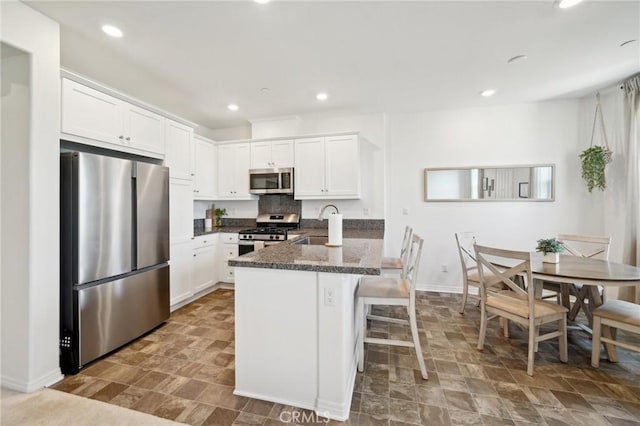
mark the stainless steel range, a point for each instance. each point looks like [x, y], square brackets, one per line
[271, 229]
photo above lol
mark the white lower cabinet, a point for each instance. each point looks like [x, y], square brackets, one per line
[181, 263]
[205, 268]
[229, 250]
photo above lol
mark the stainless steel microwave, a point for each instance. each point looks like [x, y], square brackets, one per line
[271, 181]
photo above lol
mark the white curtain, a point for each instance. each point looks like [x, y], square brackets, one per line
[631, 249]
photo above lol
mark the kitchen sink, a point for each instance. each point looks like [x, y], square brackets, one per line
[315, 240]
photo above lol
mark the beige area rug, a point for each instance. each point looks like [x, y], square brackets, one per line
[52, 407]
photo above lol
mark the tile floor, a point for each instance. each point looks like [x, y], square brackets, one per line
[184, 371]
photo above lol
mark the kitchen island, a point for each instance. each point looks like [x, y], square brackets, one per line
[296, 325]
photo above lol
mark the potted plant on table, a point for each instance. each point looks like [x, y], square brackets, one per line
[219, 213]
[551, 249]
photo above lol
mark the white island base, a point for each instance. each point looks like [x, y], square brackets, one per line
[296, 338]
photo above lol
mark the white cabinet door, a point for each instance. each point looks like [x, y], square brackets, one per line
[268, 155]
[180, 210]
[342, 166]
[229, 251]
[181, 265]
[309, 168]
[226, 171]
[91, 114]
[204, 179]
[261, 155]
[234, 162]
[178, 149]
[143, 129]
[282, 154]
[204, 268]
[242, 166]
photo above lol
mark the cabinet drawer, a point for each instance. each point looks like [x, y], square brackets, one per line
[204, 241]
[229, 251]
[227, 273]
[229, 238]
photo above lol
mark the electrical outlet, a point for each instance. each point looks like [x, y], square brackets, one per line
[444, 268]
[329, 296]
[405, 211]
[365, 211]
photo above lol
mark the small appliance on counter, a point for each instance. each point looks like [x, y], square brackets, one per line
[271, 229]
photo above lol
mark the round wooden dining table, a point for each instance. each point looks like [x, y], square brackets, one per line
[575, 270]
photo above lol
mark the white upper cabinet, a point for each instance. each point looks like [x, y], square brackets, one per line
[143, 129]
[234, 162]
[327, 168]
[104, 119]
[178, 157]
[272, 154]
[204, 187]
[91, 114]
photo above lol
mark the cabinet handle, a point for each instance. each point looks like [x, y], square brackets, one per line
[128, 138]
[194, 255]
[205, 241]
[193, 174]
[120, 137]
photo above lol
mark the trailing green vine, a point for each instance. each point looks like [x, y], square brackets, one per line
[594, 160]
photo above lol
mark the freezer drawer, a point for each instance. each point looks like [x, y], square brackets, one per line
[116, 312]
[152, 224]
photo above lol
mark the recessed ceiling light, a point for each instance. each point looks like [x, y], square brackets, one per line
[487, 93]
[566, 4]
[262, 1]
[232, 107]
[517, 58]
[627, 42]
[322, 96]
[112, 31]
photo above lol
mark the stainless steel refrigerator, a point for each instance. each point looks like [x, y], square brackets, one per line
[114, 275]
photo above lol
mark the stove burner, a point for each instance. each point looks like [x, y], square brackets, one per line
[265, 231]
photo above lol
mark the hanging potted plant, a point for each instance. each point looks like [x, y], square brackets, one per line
[595, 158]
[550, 249]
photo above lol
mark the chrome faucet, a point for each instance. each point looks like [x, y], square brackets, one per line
[321, 216]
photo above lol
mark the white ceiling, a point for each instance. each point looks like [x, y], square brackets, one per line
[193, 58]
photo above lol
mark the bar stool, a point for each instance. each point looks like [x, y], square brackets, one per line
[391, 291]
[396, 264]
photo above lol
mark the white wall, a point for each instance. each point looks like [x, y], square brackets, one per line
[30, 303]
[515, 134]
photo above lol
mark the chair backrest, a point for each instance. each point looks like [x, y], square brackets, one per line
[404, 249]
[466, 241]
[586, 246]
[506, 264]
[413, 264]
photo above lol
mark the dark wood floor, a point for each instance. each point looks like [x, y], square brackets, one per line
[184, 371]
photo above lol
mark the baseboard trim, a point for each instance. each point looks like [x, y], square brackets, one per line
[339, 411]
[45, 380]
[295, 404]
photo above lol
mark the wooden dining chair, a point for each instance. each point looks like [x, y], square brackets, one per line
[615, 314]
[470, 277]
[516, 304]
[397, 264]
[392, 291]
[583, 246]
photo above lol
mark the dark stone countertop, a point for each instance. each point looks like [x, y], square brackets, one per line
[360, 256]
[223, 229]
